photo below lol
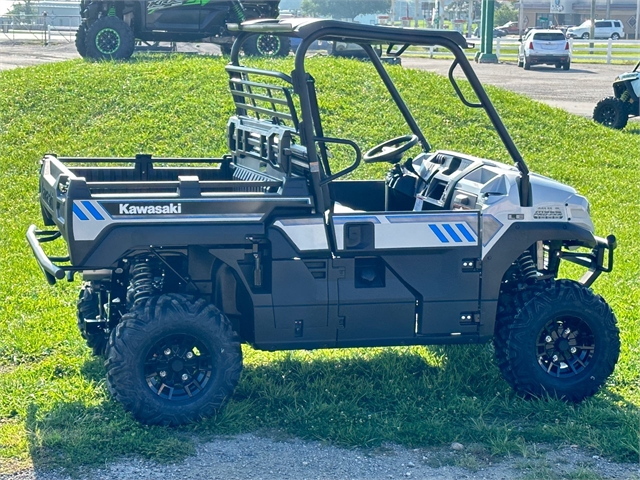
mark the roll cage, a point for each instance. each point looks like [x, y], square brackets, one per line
[397, 40]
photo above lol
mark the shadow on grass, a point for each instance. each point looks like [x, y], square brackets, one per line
[416, 397]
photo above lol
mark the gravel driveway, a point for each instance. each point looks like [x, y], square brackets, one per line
[253, 457]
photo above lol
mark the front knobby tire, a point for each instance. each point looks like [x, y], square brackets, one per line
[109, 38]
[556, 338]
[173, 360]
[611, 112]
[88, 308]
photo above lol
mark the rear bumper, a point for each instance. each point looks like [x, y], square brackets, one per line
[549, 58]
[52, 272]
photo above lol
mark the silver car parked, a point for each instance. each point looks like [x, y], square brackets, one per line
[544, 47]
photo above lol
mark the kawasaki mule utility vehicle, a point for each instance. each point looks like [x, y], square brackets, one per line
[615, 111]
[272, 246]
[110, 28]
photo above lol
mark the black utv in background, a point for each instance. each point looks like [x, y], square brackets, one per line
[109, 29]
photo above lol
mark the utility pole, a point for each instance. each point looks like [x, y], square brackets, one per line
[592, 30]
[607, 15]
[470, 19]
[637, 18]
[520, 17]
[415, 14]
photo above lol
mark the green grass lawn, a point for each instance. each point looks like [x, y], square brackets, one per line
[54, 406]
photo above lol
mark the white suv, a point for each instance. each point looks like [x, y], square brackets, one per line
[544, 46]
[602, 29]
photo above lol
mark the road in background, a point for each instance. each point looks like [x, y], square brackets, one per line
[576, 90]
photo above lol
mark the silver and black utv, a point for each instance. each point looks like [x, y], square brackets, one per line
[272, 246]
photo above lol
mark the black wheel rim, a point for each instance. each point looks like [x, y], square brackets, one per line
[607, 116]
[268, 45]
[178, 367]
[107, 41]
[565, 347]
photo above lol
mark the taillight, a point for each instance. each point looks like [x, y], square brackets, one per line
[530, 45]
[566, 46]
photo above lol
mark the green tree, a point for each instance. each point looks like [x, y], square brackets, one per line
[504, 13]
[25, 7]
[460, 8]
[344, 8]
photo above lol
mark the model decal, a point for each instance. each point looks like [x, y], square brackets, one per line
[548, 213]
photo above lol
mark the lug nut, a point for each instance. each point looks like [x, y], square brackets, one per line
[567, 331]
[189, 355]
[167, 351]
[573, 350]
[185, 377]
[163, 373]
[554, 358]
[548, 339]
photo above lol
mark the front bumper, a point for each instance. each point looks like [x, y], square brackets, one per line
[599, 260]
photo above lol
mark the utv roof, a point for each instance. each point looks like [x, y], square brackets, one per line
[340, 31]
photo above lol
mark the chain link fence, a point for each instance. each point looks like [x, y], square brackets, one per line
[44, 29]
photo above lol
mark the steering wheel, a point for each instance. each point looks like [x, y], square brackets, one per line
[391, 150]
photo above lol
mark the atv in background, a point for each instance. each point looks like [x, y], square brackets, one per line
[109, 29]
[614, 112]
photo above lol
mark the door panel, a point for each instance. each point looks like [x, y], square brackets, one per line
[435, 256]
[173, 15]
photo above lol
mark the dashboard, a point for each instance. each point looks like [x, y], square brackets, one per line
[452, 181]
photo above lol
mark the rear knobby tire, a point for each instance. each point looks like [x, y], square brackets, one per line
[109, 38]
[266, 45]
[556, 338]
[173, 360]
[611, 112]
[81, 40]
[88, 308]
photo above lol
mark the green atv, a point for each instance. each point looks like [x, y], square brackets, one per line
[110, 29]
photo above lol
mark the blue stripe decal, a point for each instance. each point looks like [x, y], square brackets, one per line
[465, 232]
[434, 228]
[79, 213]
[452, 232]
[92, 210]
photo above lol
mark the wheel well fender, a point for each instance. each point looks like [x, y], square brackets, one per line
[518, 238]
[230, 295]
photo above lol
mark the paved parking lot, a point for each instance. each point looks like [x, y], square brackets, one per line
[576, 90]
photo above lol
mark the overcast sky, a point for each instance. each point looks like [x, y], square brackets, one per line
[4, 5]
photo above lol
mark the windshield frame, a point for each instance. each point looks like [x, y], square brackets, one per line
[397, 40]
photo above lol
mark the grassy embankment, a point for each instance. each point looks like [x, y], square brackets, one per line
[54, 407]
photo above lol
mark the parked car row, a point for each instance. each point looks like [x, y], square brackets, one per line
[602, 29]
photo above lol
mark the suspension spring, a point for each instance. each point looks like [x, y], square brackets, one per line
[142, 279]
[527, 266]
[238, 10]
